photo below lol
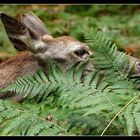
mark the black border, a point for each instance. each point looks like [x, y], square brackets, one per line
[69, 2]
[72, 2]
[72, 137]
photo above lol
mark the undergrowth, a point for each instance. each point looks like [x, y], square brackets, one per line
[103, 102]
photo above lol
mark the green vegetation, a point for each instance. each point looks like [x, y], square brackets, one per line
[68, 104]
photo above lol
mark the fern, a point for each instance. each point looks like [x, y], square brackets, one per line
[106, 55]
[93, 105]
[26, 121]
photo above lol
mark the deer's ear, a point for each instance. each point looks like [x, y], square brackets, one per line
[14, 30]
[26, 34]
[20, 35]
[34, 24]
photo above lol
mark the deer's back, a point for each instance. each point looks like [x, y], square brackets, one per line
[21, 65]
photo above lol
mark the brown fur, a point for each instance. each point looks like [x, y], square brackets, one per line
[65, 39]
[31, 35]
[23, 64]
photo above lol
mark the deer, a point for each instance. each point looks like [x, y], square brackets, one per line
[37, 47]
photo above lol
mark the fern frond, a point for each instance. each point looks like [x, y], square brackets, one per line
[26, 121]
[106, 55]
[94, 104]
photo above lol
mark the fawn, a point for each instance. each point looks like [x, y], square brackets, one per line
[31, 36]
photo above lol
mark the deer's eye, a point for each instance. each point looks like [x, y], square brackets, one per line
[80, 52]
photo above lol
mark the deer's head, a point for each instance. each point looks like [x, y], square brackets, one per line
[31, 34]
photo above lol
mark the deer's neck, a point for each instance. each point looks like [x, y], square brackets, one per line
[43, 65]
[21, 65]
